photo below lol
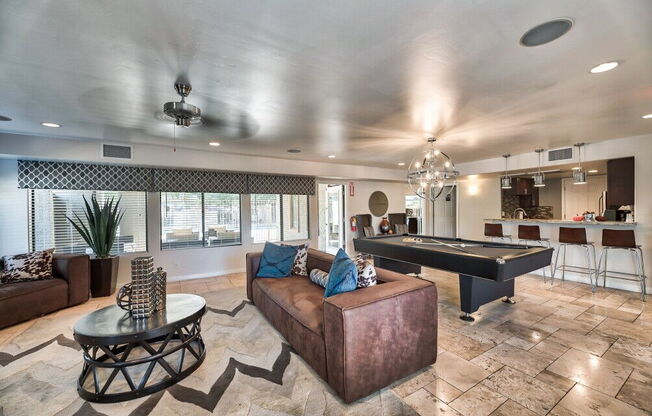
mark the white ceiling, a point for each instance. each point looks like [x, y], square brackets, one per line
[364, 80]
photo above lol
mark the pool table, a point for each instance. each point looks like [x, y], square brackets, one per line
[486, 269]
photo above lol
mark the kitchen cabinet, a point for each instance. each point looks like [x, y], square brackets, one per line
[526, 191]
[620, 182]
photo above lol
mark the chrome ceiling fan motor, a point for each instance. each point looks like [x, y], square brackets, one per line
[183, 113]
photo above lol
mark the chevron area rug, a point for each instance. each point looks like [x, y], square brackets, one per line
[249, 370]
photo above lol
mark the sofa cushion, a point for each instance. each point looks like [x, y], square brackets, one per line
[277, 260]
[299, 297]
[22, 301]
[319, 277]
[10, 290]
[343, 275]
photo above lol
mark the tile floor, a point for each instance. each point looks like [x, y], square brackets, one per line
[560, 350]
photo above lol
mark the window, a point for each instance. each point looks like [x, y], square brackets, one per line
[194, 219]
[279, 217]
[48, 226]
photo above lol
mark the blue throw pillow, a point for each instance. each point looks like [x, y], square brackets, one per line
[343, 275]
[277, 260]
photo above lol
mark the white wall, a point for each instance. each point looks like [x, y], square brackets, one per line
[477, 198]
[550, 196]
[13, 211]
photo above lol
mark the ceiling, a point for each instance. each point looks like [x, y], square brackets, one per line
[365, 81]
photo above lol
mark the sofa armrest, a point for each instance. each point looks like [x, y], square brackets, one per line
[377, 335]
[76, 270]
[253, 261]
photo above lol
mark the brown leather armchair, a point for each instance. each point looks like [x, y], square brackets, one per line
[359, 341]
[26, 300]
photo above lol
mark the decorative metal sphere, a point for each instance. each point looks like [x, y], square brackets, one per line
[431, 171]
[123, 297]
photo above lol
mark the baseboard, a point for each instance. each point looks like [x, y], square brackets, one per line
[611, 283]
[205, 275]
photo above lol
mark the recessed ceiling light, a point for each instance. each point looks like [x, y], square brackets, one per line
[5, 118]
[647, 116]
[214, 144]
[546, 32]
[50, 124]
[331, 156]
[401, 163]
[294, 151]
[604, 67]
[593, 171]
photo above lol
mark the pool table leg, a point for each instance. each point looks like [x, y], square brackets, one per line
[475, 292]
[509, 300]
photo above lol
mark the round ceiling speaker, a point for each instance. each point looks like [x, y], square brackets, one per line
[4, 118]
[546, 32]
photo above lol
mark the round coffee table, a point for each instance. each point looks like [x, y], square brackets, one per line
[126, 358]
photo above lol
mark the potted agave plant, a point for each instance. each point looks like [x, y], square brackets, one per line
[99, 230]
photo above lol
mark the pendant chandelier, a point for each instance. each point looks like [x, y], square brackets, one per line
[579, 174]
[506, 180]
[539, 177]
[431, 172]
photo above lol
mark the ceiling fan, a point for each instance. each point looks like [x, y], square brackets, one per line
[229, 123]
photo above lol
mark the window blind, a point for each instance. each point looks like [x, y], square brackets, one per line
[265, 217]
[221, 219]
[181, 220]
[48, 226]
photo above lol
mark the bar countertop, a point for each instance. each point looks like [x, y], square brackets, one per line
[564, 222]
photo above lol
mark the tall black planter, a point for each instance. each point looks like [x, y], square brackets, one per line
[104, 276]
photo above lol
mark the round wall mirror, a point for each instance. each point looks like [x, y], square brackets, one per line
[378, 204]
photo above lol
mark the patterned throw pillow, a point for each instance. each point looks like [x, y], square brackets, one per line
[300, 265]
[343, 276]
[366, 271]
[319, 277]
[28, 267]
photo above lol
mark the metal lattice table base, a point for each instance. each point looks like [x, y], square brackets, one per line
[99, 360]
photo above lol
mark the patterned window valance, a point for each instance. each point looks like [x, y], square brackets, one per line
[87, 176]
[181, 180]
[281, 184]
[82, 176]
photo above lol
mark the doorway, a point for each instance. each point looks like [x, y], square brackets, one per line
[444, 214]
[332, 234]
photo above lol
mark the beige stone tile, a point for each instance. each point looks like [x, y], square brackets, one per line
[555, 380]
[619, 328]
[523, 332]
[592, 343]
[443, 391]
[529, 362]
[590, 318]
[428, 405]
[520, 343]
[592, 371]
[613, 313]
[487, 363]
[631, 353]
[559, 322]
[478, 401]
[527, 391]
[581, 401]
[637, 391]
[481, 332]
[458, 372]
[633, 305]
[511, 408]
[550, 348]
[461, 345]
[410, 384]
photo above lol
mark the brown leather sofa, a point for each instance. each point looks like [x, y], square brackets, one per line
[26, 300]
[359, 341]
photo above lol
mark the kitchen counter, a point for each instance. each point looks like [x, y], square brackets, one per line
[564, 222]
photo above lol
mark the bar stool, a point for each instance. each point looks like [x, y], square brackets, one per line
[532, 234]
[622, 240]
[492, 231]
[576, 237]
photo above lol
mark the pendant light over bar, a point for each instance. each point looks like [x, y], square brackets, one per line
[579, 175]
[539, 177]
[506, 180]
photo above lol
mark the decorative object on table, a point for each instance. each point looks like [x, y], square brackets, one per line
[156, 340]
[601, 218]
[277, 260]
[160, 288]
[578, 218]
[123, 297]
[27, 267]
[384, 225]
[579, 174]
[378, 203]
[431, 172]
[143, 287]
[343, 275]
[506, 180]
[589, 216]
[98, 231]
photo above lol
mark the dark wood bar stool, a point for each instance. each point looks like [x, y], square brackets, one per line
[576, 236]
[495, 231]
[622, 240]
[531, 235]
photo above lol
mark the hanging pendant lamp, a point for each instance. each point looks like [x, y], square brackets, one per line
[506, 180]
[579, 175]
[539, 177]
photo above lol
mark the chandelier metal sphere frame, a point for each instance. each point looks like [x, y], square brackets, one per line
[431, 172]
